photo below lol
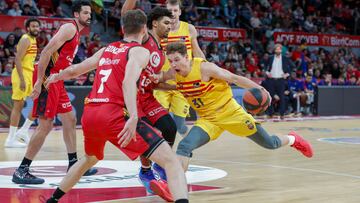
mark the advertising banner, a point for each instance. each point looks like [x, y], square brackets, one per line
[312, 39]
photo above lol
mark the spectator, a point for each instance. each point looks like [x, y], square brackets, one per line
[33, 7]
[3, 7]
[15, 10]
[94, 46]
[59, 13]
[146, 6]
[27, 11]
[42, 40]
[230, 13]
[277, 72]
[89, 79]
[7, 69]
[18, 32]
[10, 46]
[115, 15]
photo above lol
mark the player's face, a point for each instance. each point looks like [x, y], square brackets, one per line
[34, 29]
[163, 26]
[176, 12]
[179, 63]
[84, 16]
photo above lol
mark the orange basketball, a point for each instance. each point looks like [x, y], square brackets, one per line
[256, 100]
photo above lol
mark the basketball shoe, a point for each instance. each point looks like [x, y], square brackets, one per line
[302, 145]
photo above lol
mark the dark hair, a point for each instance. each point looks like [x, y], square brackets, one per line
[76, 6]
[29, 20]
[157, 13]
[133, 21]
[174, 47]
[174, 2]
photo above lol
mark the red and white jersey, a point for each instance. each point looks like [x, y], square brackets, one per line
[65, 55]
[110, 73]
[157, 60]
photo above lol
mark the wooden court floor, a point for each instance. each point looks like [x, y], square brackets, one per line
[255, 174]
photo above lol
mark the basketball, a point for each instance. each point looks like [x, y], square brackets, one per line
[255, 101]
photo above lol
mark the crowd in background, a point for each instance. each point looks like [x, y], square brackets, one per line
[311, 66]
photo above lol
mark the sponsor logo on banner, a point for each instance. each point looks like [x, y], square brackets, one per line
[295, 38]
[220, 34]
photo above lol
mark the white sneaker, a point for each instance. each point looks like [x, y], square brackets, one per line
[13, 143]
[23, 136]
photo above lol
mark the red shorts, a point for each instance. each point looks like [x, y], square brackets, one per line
[52, 101]
[152, 109]
[103, 122]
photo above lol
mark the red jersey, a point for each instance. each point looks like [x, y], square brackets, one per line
[65, 55]
[110, 73]
[157, 60]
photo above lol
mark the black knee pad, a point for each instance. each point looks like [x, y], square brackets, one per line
[167, 127]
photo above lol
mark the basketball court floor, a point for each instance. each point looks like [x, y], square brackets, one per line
[230, 169]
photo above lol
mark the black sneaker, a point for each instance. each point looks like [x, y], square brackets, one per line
[23, 176]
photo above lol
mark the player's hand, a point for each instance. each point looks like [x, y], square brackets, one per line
[269, 95]
[22, 85]
[155, 78]
[36, 90]
[51, 79]
[128, 133]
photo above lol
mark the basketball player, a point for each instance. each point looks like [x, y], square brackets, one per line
[60, 51]
[205, 86]
[159, 27]
[21, 79]
[185, 32]
[119, 66]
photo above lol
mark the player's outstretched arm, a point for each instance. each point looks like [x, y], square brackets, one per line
[77, 69]
[133, 70]
[211, 70]
[128, 5]
[194, 43]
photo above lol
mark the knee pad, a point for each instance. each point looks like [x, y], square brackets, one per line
[167, 127]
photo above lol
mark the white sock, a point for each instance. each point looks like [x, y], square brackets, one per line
[291, 140]
[12, 132]
[26, 125]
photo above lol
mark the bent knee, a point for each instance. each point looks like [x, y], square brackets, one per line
[184, 149]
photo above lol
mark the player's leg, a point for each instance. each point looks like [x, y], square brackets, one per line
[23, 132]
[262, 138]
[69, 132]
[180, 109]
[167, 127]
[18, 97]
[160, 118]
[11, 140]
[237, 121]
[22, 174]
[72, 177]
[94, 145]
[196, 138]
[165, 157]
[160, 152]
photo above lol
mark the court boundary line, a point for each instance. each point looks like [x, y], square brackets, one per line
[283, 167]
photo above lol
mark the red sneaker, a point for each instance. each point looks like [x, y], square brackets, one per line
[302, 145]
[161, 188]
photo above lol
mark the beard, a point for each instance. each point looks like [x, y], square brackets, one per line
[85, 23]
[34, 33]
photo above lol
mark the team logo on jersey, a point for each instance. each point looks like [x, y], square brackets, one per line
[196, 84]
[249, 124]
[154, 59]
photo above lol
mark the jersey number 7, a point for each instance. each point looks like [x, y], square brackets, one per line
[106, 74]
